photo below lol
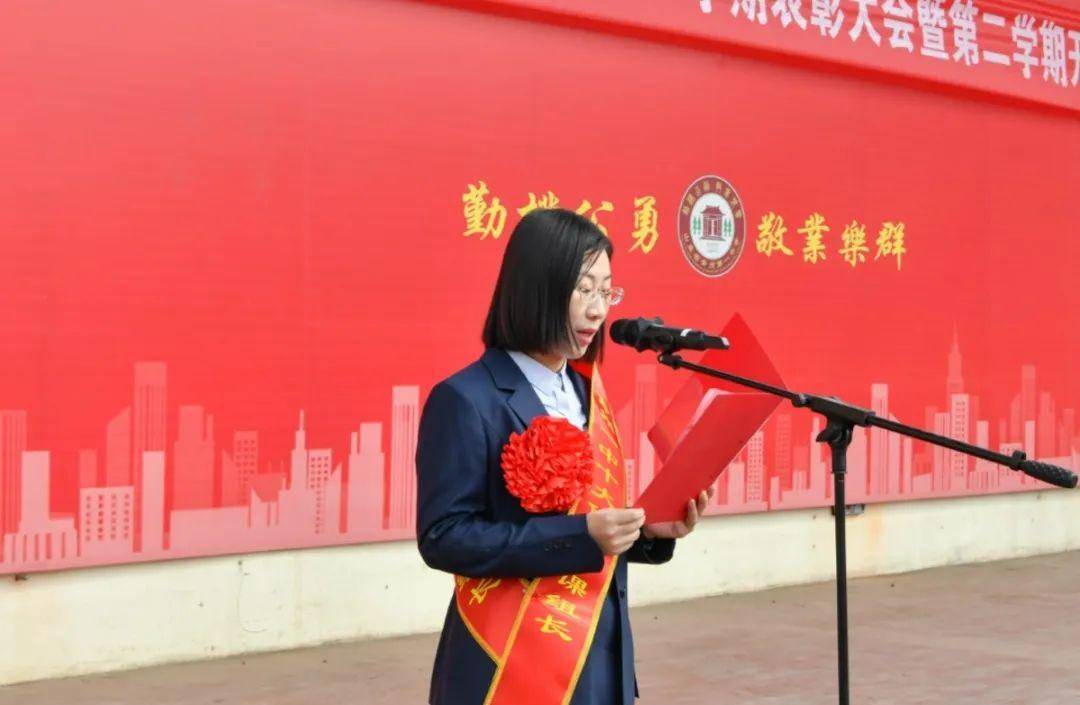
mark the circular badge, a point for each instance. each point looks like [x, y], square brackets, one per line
[712, 226]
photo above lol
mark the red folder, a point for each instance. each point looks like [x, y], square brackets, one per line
[708, 423]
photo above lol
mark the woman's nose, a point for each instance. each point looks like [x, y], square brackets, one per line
[597, 308]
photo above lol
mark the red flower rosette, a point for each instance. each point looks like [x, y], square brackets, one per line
[549, 466]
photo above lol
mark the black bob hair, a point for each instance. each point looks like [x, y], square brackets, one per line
[540, 269]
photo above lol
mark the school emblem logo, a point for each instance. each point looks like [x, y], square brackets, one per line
[712, 226]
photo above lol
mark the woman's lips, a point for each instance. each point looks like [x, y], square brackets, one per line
[585, 337]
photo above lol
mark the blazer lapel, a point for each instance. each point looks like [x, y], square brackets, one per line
[508, 377]
[582, 389]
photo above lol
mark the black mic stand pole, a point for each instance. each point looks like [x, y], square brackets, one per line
[841, 420]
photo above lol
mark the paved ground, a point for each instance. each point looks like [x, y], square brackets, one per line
[989, 634]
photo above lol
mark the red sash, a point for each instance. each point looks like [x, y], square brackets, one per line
[538, 631]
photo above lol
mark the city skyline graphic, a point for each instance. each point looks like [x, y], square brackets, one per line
[155, 492]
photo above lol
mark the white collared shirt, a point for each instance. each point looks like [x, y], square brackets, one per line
[555, 389]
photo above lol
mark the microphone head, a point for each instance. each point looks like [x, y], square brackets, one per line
[623, 331]
[628, 331]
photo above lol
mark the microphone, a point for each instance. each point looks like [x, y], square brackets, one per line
[651, 334]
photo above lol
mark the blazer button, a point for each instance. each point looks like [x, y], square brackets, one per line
[622, 593]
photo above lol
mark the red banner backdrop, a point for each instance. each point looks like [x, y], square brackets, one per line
[1024, 50]
[243, 239]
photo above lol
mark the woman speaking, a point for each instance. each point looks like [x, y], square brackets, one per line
[522, 489]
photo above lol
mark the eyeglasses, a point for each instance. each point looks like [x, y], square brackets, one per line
[610, 297]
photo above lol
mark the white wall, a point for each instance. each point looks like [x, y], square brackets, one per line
[100, 619]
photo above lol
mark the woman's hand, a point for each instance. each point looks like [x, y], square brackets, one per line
[679, 529]
[615, 530]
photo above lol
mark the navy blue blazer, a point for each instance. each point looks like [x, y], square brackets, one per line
[469, 524]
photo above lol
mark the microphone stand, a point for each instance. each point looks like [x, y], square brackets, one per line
[841, 419]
